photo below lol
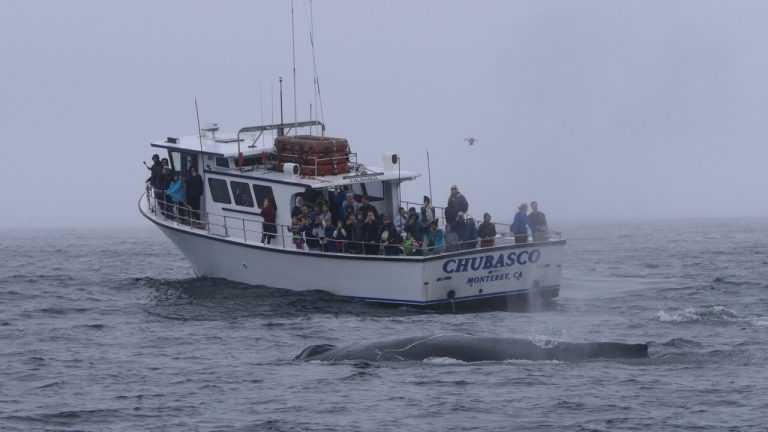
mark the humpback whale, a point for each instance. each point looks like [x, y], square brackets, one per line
[473, 349]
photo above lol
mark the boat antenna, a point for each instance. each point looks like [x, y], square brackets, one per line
[310, 114]
[261, 112]
[318, 96]
[429, 176]
[399, 184]
[272, 100]
[281, 131]
[293, 47]
[200, 137]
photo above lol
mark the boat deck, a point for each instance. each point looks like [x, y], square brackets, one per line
[250, 231]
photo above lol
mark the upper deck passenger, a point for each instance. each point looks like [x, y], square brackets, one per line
[456, 203]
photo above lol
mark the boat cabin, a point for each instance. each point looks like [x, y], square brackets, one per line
[240, 170]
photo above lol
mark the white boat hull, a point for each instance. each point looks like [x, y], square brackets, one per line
[503, 271]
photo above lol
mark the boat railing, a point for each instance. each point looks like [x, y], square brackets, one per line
[252, 231]
[437, 212]
[502, 228]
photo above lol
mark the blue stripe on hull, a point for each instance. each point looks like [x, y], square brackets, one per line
[459, 299]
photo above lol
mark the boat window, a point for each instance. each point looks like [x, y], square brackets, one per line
[374, 190]
[241, 193]
[176, 161]
[249, 161]
[222, 162]
[310, 196]
[262, 192]
[219, 191]
[182, 162]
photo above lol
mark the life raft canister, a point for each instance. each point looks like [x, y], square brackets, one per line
[317, 155]
[311, 144]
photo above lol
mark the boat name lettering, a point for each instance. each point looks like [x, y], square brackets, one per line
[493, 278]
[489, 262]
[362, 179]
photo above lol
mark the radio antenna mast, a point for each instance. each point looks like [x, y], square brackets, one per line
[310, 115]
[429, 176]
[261, 111]
[295, 103]
[200, 137]
[281, 130]
[314, 64]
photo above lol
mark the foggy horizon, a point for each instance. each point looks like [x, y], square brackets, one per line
[598, 110]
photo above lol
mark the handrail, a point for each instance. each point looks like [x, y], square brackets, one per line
[229, 226]
[408, 204]
[501, 227]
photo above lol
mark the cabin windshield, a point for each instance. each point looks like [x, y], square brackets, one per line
[182, 161]
[374, 191]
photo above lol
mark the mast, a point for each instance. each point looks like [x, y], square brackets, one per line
[281, 131]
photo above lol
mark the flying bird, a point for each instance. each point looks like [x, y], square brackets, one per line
[471, 140]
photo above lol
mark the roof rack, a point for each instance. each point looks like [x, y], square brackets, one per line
[280, 128]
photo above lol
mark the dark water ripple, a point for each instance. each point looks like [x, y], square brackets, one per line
[104, 330]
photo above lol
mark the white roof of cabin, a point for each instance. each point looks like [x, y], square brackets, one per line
[225, 145]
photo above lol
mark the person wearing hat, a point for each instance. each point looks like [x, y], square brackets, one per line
[456, 203]
[520, 224]
[427, 215]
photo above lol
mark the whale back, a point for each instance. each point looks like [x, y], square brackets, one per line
[473, 349]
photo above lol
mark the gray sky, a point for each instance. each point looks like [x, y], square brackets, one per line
[593, 108]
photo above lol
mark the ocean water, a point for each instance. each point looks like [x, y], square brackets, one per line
[108, 330]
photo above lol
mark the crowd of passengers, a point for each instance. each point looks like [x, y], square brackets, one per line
[348, 226]
[173, 192]
[345, 225]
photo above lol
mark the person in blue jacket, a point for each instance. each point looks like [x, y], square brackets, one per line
[469, 237]
[176, 192]
[521, 224]
[433, 239]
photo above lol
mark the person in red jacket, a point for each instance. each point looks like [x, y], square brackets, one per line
[268, 227]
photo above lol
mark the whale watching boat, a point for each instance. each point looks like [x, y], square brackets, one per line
[228, 238]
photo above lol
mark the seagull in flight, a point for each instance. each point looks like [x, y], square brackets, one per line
[471, 140]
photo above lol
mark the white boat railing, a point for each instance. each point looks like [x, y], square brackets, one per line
[502, 228]
[252, 231]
